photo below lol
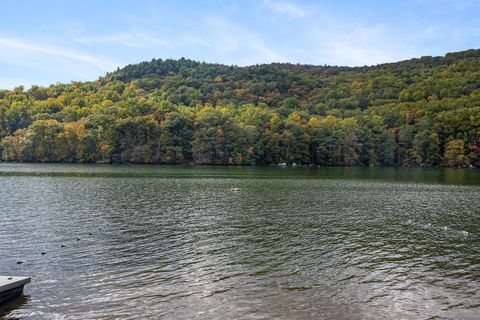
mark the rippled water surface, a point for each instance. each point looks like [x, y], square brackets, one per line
[148, 242]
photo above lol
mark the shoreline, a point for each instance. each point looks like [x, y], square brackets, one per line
[279, 165]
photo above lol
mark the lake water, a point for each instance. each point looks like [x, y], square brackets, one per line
[160, 242]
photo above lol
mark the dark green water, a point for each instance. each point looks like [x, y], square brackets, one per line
[294, 243]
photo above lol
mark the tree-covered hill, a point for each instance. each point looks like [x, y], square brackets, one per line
[418, 112]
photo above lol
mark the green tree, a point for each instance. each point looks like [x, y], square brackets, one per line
[454, 153]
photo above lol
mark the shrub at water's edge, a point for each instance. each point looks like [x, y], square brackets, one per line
[420, 112]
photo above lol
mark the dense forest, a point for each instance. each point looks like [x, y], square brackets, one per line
[420, 112]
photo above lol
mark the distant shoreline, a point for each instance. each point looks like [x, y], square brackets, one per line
[232, 165]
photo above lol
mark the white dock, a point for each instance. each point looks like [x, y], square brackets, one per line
[11, 287]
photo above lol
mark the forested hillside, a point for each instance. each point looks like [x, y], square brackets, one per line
[420, 112]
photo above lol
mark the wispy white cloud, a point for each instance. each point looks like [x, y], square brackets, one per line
[238, 32]
[9, 83]
[325, 37]
[360, 45]
[285, 8]
[451, 4]
[26, 62]
[133, 40]
[223, 35]
[190, 40]
[239, 43]
[21, 51]
[265, 53]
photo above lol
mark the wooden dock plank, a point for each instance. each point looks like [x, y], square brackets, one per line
[11, 287]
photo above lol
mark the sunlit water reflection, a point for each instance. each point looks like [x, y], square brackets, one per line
[177, 243]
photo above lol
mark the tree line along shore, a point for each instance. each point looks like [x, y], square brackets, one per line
[419, 112]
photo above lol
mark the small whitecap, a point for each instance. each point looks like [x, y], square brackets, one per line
[444, 228]
[428, 225]
[463, 233]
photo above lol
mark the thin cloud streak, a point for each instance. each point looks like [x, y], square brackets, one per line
[83, 47]
[285, 8]
[15, 49]
[230, 40]
[132, 40]
[8, 83]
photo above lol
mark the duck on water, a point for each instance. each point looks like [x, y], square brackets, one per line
[10, 287]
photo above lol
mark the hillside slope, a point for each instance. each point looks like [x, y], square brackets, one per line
[417, 112]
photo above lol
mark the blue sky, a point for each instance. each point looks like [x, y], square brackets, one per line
[43, 42]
